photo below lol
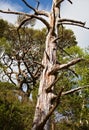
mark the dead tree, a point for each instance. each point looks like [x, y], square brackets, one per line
[45, 107]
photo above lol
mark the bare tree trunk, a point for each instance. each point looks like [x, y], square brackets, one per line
[44, 98]
[49, 60]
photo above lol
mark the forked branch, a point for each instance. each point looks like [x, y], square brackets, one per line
[72, 22]
[36, 11]
[29, 16]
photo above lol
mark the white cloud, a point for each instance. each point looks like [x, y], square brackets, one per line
[4, 5]
[78, 11]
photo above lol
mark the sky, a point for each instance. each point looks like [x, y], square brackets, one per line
[79, 10]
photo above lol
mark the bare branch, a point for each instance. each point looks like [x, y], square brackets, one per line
[73, 90]
[28, 5]
[70, 1]
[65, 51]
[45, 13]
[64, 66]
[60, 1]
[37, 17]
[39, 64]
[67, 23]
[42, 12]
[73, 21]
[56, 39]
[15, 12]
[28, 68]
[73, 72]
[38, 3]
[23, 22]
[28, 17]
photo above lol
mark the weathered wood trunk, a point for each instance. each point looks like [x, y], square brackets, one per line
[44, 97]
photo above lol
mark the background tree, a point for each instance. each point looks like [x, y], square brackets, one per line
[73, 111]
[14, 114]
[22, 58]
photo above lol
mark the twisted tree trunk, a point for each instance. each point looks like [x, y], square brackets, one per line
[44, 97]
[46, 93]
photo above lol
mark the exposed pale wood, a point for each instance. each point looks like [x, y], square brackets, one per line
[58, 67]
[74, 90]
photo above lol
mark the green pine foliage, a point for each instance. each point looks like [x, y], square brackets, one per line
[14, 114]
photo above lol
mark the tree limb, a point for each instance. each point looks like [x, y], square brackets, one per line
[74, 24]
[70, 1]
[38, 3]
[29, 16]
[60, 1]
[56, 67]
[15, 12]
[71, 20]
[45, 13]
[73, 90]
[39, 64]
[28, 5]
[73, 72]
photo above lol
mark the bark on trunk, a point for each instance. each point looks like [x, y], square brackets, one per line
[44, 98]
[49, 60]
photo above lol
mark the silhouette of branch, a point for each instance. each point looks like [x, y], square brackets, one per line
[60, 1]
[73, 72]
[39, 64]
[37, 17]
[38, 3]
[41, 12]
[70, 1]
[28, 5]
